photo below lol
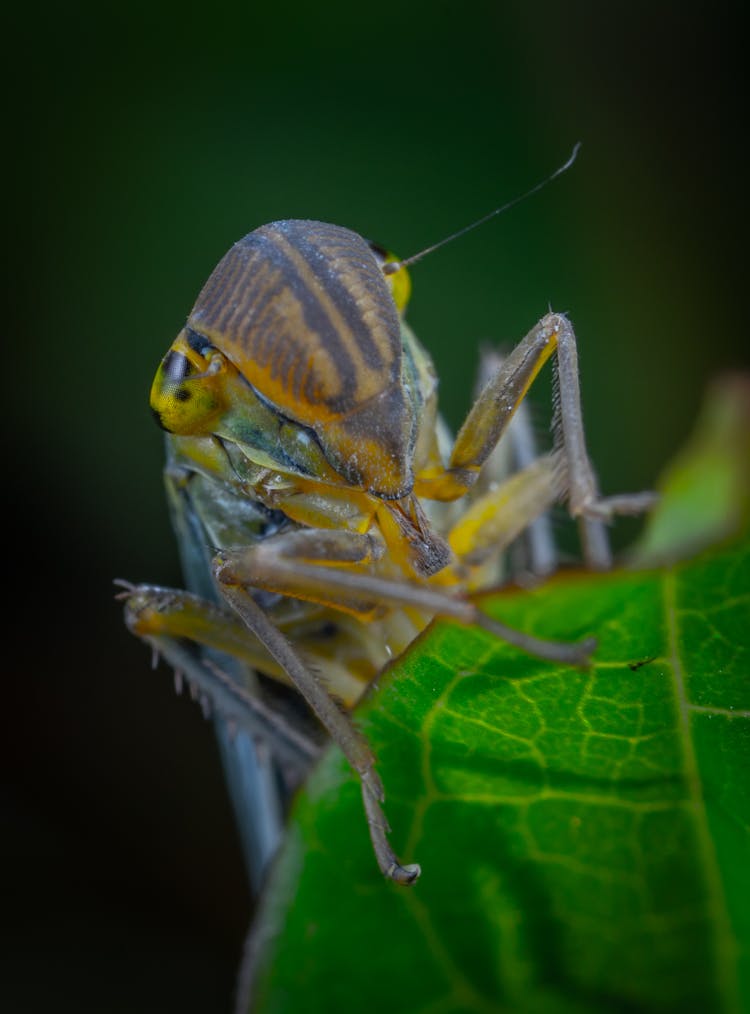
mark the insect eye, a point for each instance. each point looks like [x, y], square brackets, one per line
[187, 395]
[399, 282]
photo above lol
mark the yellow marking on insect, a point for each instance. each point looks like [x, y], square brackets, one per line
[188, 392]
[400, 284]
[319, 505]
[499, 516]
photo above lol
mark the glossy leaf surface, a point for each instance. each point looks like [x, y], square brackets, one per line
[583, 835]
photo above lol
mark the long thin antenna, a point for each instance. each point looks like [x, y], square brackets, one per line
[393, 266]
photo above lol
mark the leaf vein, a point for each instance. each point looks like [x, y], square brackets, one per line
[724, 943]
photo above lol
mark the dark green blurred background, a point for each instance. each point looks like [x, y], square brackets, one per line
[141, 143]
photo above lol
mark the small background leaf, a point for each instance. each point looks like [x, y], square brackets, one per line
[583, 835]
[705, 492]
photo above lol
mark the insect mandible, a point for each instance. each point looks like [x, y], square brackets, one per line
[324, 513]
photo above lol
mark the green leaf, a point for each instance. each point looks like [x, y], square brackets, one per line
[705, 491]
[584, 836]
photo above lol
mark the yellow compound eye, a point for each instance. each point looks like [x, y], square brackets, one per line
[399, 282]
[188, 393]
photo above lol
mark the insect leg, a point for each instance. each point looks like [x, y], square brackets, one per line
[168, 619]
[541, 551]
[495, 407]
[535, 553]
[165, 617]
[502, 513]
[245, 726]
[584, 500]
[302, 564]
[287, 563]
[337, 723]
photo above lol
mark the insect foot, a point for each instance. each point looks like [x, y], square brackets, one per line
[387, 860]
[626, 503]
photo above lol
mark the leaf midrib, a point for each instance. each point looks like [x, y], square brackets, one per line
[724, 945]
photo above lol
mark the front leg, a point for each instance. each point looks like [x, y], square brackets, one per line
[337, 723]
[322, 566]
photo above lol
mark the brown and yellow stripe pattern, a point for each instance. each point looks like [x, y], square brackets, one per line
[303, 310]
